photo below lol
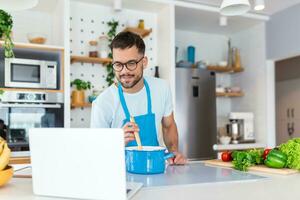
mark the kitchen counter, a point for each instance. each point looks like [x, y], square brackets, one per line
[192, 181]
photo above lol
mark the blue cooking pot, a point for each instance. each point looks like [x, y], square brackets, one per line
[149, 160]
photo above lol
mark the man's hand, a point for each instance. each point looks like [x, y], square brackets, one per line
[179, 159]
[129, 128]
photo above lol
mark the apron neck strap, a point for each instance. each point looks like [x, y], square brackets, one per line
[148, 97]
[123, 102]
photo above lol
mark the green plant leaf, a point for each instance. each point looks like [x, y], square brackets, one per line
[81, 84]
[111, 34]
[6, 24]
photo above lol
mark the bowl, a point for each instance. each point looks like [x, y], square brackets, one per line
[5, 175]
[222, 63]
[225, 139]
[132, 23]
[236, 89]
[37, 38]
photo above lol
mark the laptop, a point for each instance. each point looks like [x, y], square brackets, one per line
[80, 163]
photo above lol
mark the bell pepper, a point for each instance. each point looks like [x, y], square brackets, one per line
[276, 159]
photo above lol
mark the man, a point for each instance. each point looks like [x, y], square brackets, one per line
[147, 99]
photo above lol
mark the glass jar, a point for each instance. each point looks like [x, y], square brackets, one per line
[93, 49]
[141, 24]
[103, 46]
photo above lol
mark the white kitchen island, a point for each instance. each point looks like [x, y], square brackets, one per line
[192, 181]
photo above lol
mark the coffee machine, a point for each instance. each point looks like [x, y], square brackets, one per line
[243, 127]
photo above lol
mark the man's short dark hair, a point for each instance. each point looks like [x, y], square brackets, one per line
[126, 39]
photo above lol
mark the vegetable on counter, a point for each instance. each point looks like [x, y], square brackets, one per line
[276, 159]
[242, 160]
[226, 156]
[266, 152]
[292, 149]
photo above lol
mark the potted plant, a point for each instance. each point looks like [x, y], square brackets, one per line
[6, 24]
[78, 96]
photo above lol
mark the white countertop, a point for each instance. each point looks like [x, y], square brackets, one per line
[223, 147]
[193, 181]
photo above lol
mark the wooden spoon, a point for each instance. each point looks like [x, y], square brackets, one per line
[137, 136]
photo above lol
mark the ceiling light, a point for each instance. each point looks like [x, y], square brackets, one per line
[16, 5]
[117, 5]
[234, 7]
[259, 5]
[223, 21]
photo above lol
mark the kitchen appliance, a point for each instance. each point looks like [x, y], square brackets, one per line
[149, 160]
[233, 129]
[17, 135]
[23, 110]
[195, 112]
[29, 73]
[64, 165]
[243, 127]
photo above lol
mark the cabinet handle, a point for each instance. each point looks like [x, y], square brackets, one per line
[288, 113]
[291, 129]
[292, 112]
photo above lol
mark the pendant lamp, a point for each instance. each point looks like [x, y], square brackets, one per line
[17, 5]
[234, 7]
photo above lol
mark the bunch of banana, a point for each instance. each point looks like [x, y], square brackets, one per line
[4, 154]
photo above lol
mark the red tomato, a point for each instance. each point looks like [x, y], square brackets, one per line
[266, 152]
[226, 156]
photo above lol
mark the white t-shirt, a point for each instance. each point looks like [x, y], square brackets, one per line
[107, 111]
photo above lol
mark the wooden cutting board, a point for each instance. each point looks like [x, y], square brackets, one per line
[257, 168]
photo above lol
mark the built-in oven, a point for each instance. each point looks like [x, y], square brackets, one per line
[21, 111]
[30, 73]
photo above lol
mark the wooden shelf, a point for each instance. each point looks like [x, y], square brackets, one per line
[142, 32]
[81, 105]
[86, 59]
[229, 94]
[222, 69]
[45, 47]
[19, 160]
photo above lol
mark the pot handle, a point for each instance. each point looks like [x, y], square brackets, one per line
[169, 155]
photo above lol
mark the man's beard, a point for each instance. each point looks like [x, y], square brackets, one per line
[130, 85]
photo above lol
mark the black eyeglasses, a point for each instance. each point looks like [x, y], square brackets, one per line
[130, 65]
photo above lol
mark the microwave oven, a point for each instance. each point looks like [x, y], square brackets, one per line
[29, 73]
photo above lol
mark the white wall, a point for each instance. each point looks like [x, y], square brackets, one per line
[211, 48]
[251, 43]
[283, 32]
[29, 21]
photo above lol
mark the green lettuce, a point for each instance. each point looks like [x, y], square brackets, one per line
[292, 149]
[242, 160]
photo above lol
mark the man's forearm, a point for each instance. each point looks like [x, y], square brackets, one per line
[170, 135]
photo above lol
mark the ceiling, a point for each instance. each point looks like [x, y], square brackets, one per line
[272, 6]
[208, 22]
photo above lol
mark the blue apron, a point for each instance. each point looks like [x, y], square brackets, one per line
[146, 123]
